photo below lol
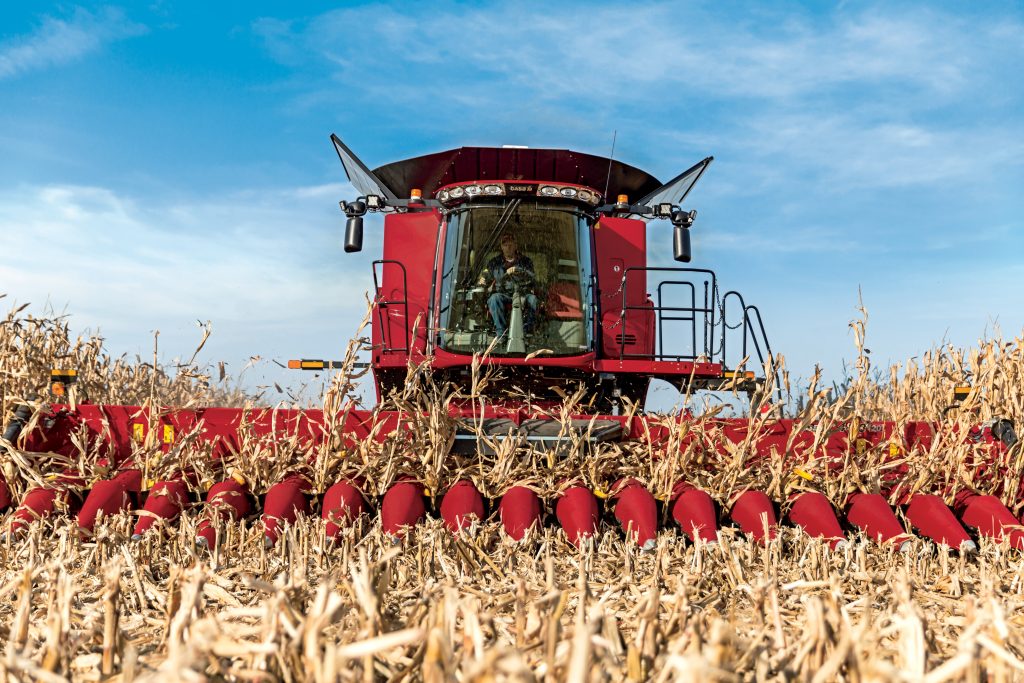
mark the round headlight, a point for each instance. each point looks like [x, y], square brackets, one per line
[442, 195]
[549, 191]
[492, 189]
[457, 192]
[472, 190]
[568, 192]
[584, 195]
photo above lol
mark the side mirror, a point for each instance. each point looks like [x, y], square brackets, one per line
[354, 234]
[681, 244]
[354, 225]
[681, 222]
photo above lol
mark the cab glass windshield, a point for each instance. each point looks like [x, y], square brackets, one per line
[516, 280]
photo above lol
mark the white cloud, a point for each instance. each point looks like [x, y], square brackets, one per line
[60, 41]
[851, 151]
[615, 50]
[265, 266]
[878, 97]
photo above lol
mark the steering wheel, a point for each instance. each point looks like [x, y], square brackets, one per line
[520, 278]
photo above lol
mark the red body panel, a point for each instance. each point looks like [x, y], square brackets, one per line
[620, 244]
[659, 367]
[446, 359]
[410, 243]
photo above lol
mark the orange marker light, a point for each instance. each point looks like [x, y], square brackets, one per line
[623, 199]
[416, 195]
[295, 365]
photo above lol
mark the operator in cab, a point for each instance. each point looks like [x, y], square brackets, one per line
[507, 272]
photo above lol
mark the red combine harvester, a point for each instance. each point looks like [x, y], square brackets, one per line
[536, 261]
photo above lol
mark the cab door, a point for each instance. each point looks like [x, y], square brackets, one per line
[626, 313]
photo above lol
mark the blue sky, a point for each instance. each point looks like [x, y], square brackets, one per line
[170, 163]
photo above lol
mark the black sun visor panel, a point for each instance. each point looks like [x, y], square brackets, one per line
[675, 190]
[364, 180]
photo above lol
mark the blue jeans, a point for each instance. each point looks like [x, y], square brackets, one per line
[499, 304]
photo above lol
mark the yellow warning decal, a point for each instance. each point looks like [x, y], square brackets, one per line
[168, 433]
[139, 432]
[894, 449]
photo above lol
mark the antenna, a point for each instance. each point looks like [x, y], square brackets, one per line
[608, 178]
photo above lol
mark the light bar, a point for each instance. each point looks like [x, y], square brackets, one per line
[453, 194]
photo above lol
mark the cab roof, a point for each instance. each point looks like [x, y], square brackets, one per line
[432, 171]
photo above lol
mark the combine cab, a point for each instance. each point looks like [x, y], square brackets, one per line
[531, 265]
[517, 255]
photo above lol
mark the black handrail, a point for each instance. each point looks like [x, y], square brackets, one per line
[708, 310]
[768, 348]
[692, 319]
[751, 325]
[384, 303]
[764, 334]
[725, 323]
[594, 297]
[749, 313]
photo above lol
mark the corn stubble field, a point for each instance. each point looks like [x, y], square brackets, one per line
[480, 607]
